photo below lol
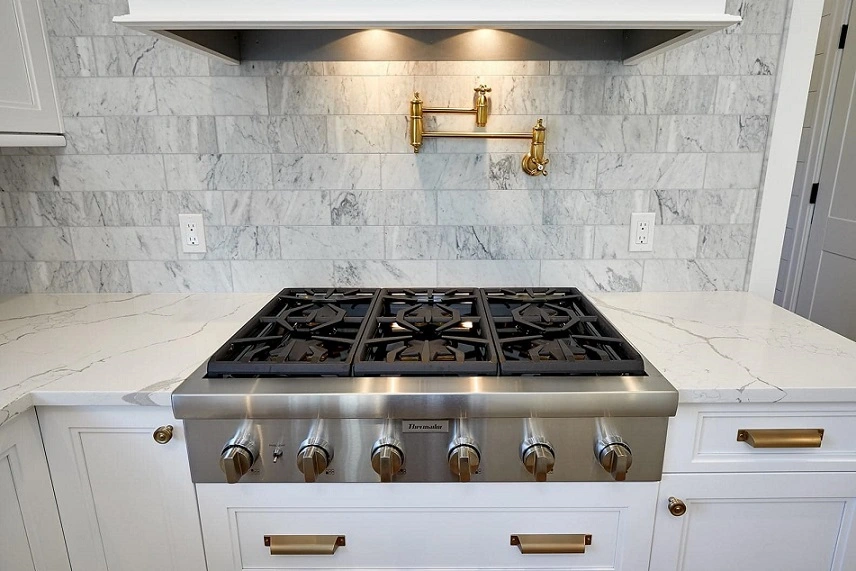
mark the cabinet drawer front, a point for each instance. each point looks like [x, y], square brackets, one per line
[427, 526]
[402, 538]
[761, 441]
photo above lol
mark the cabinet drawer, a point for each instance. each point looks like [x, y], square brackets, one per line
[708, 439]
[429, 527]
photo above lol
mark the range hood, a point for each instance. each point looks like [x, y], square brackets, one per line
[629, 30]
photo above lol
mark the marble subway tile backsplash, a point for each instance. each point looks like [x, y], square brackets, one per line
[304, 175]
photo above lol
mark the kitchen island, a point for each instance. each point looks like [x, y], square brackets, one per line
[100, 369]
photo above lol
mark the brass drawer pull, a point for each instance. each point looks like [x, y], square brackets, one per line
[304, 544]
[781, 437]
[551, 543]
[163, 434]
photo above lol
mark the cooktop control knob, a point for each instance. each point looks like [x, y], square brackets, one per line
[239, 455]
[464, 458]
[387, 457]
[611, 451]
[313, 457]
[538, 457]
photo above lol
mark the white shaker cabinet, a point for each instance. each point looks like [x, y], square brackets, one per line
[29, 113]
[30, 533]
[749, 494]
[126, 501]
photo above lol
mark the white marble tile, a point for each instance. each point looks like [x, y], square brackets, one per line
[725, 206]
[744, 95]
[184, 276]
[123, 244]
[263, 68]
[281, 208]
[85, 136]
[89, 18]
[145, 56]
[733, 170]
[13, 278]
[486, 68]
[540, 242]
[104, 96]
[693, 275]
[593, 275]
[759, 16]
[438, 243]
[79, 277]
[326, 172]
[138, 135]
[553, 95]
[28, 173]
[388, 207]
[429, 172]
[669, 241]
[211, 96]
[725, 241]
[381, 68]
[712, 133]
[579, 207]
[346, 95]
[368, 134]
[565, 171]
[619, 171]
[601, 133]
[218, 172]
[651, 66]
[383, 273]
[487, 273]
[73, 57]
[332, 242]
[35, 244]
[490, 207]
[726, 54]
[110, 172]
[270, 275]
[236, 243]
[626, 95]
[288, 134]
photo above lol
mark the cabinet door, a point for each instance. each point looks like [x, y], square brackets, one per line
[126, 502]
[30, 533]
[754, 522]
[27, 96]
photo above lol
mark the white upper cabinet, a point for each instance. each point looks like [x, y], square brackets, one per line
[29, 114]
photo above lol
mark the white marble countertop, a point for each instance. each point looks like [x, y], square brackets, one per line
[113, 349]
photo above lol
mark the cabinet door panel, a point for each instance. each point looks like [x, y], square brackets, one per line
[756, 521]
[126, 502]
[30, 534]
[27, 95]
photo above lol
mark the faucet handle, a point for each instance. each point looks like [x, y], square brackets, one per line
[482, 89]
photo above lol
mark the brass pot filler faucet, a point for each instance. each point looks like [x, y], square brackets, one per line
[533, 162]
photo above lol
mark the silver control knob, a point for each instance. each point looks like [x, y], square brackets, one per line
[464, 458]
[387, 458]
[235, 461]
[611, 451]
[538, 457]
[313, 457]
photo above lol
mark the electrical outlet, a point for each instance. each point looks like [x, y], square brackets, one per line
[641, 232]
[192, 233]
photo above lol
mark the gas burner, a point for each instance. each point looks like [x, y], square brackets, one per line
[300, 332]
[427, 332]
[550, 331]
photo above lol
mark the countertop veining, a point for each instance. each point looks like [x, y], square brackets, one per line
[114, 349]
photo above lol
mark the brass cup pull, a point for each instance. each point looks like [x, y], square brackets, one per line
[304, 544]
[677, 507]
[781, 437]
[551, 543]
[163, 434]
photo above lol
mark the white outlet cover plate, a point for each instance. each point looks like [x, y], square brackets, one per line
[184, 223]
[637, 219]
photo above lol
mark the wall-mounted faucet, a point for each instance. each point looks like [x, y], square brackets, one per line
[533, 162]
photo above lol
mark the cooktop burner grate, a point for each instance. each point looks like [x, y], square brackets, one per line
[556, 331]
[300, 332]
[430, 331]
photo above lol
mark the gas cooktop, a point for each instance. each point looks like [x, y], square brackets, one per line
[426, 331]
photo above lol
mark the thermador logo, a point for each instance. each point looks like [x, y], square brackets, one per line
[425, 426]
